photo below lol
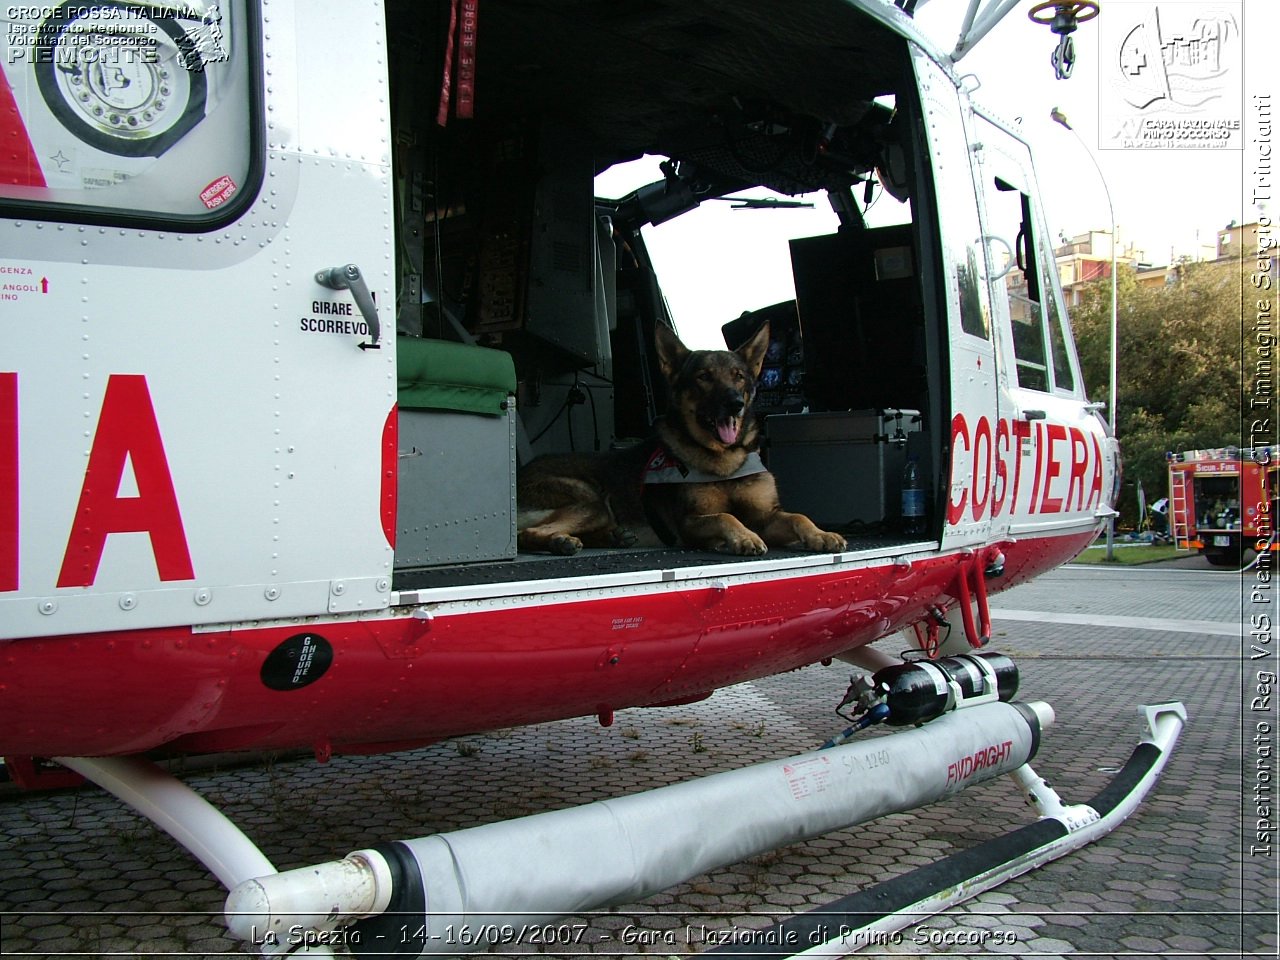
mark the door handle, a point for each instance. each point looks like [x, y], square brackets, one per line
[349, 278]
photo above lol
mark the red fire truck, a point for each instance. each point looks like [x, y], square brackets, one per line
[1223, 501]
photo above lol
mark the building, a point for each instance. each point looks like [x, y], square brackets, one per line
[1236, 241]
[1087, 257]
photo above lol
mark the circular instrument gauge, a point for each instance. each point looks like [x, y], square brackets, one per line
[119, 80]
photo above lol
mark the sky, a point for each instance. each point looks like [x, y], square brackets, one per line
[1168, 203]
[1162, 198]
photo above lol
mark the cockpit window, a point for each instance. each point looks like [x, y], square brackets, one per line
[1063, 378]
[1016, 263]
[127, 112]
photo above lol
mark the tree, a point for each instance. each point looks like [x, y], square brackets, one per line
[1179, 383]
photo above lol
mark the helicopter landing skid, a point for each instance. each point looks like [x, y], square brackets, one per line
[401, 877]
[869, 917]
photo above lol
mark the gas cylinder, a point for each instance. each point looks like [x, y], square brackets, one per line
[921, 690]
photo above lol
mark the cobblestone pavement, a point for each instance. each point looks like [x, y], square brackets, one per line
[82, 876]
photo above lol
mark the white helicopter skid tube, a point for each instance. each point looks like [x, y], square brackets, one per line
[454, 892]
[869, 917]
[195, 823]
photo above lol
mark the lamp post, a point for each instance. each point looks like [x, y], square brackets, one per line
[1059, 117]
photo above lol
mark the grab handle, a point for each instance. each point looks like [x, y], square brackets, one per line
[349, 278]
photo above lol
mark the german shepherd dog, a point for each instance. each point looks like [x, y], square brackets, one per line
[698, 482]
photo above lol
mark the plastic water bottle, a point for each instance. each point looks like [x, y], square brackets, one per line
[912, 499]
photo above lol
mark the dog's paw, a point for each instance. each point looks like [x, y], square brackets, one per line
[622, 537]
[564, 544]
[745, 544]
[822, 542]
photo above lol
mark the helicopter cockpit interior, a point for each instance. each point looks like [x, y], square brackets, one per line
[515, 269]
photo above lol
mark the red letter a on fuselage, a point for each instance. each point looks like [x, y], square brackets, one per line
[127, 430]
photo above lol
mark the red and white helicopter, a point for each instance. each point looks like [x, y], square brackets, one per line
[291, 291]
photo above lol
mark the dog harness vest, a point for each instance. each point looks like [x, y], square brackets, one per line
[664, 467]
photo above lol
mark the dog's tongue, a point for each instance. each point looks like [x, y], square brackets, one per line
[727, 430]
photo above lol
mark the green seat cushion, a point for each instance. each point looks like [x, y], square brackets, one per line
[442, 375]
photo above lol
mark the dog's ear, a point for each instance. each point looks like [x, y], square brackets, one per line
[671, 352]
[752, 352]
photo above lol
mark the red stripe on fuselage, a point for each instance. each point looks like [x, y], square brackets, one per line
[396, 680]
[9, 513]
[18, 164]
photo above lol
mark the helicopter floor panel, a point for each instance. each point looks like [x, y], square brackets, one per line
[597, 562]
